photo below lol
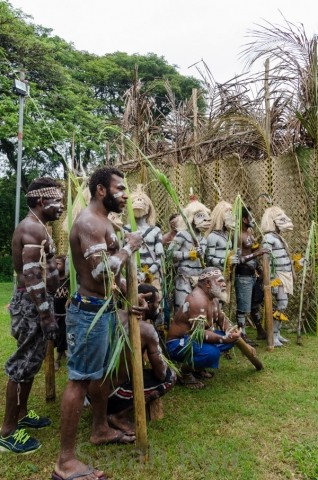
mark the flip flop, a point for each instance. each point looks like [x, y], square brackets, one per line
[89, 470]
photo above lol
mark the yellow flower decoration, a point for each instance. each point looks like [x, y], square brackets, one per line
[276, 282]
[255, 246]
[280, 316]
[149, 276]
[193, 255]
[296, 259]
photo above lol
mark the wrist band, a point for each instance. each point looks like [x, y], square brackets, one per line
[128, 250]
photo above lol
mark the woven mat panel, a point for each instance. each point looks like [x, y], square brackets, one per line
[232, 178]
[162, 202]
[209, 174]
[59, 235]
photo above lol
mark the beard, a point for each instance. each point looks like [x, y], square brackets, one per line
[111, 203]
[218, 293]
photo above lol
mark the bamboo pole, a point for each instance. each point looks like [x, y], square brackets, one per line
[246, 350]
[268, 302]
[137, 370]
[49, 372]
[195, 122]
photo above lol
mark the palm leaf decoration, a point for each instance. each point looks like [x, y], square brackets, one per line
[197, 332]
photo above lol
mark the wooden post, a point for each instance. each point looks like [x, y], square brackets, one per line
[136, 360]
[268, 303]
[49, 372]
[195, 123]
[155, 409]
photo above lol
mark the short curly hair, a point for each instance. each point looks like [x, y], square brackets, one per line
[102, 176]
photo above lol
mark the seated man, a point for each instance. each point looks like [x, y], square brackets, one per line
[201, 307]
[158, 379]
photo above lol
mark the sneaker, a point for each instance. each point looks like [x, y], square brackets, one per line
[33, 420]
[19, 442]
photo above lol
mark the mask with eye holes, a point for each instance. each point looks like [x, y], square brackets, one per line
[283, 223]
[198, 215]
[274, 218]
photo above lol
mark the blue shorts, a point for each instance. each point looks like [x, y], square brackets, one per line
[88, 353]
[244, 291]
[206, 355]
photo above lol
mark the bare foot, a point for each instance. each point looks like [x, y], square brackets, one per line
[75, 467]
[189, 381]
[111, 435]
[122, 424]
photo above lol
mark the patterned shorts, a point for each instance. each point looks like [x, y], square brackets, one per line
[25, 363]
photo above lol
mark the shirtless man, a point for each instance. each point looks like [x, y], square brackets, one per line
[202, 304]
[31, 311]
[245, 279]
[158, 377]
[98, 263]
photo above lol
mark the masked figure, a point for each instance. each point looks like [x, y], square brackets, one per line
[152, 249]
[275, 223]
[219, 241]
[187, 253]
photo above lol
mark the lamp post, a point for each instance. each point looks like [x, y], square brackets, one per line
[21, 88]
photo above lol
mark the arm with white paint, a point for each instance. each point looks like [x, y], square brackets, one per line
[35, 248]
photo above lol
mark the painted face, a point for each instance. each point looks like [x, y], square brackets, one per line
[53, 207]
[283, 223]
[60, 265]
[116, 198]
[218, 287]
[250, 222]
[153, 307]
[140, 207]
[202, 221]
[229, 222]
[173, 224]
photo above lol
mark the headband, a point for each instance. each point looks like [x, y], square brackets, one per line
[212, 273]
[48, 192]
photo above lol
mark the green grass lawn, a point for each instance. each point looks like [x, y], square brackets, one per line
[244, 425]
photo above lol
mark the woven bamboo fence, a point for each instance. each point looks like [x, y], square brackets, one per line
[278, 177]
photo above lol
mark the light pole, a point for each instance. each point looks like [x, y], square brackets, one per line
[21, 88]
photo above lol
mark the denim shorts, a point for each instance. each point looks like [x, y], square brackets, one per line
[88, 352]
[244, 290]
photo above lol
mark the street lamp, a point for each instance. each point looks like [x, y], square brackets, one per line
[21, 88]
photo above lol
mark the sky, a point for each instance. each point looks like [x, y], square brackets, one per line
[182, 31]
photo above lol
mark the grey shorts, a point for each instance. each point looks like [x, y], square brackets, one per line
[25, 363]
[244, 290]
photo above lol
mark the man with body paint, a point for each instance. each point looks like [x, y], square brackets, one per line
[186, 252]
[31, 311]
[275, 223]
[98, 261]
[201, 305]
